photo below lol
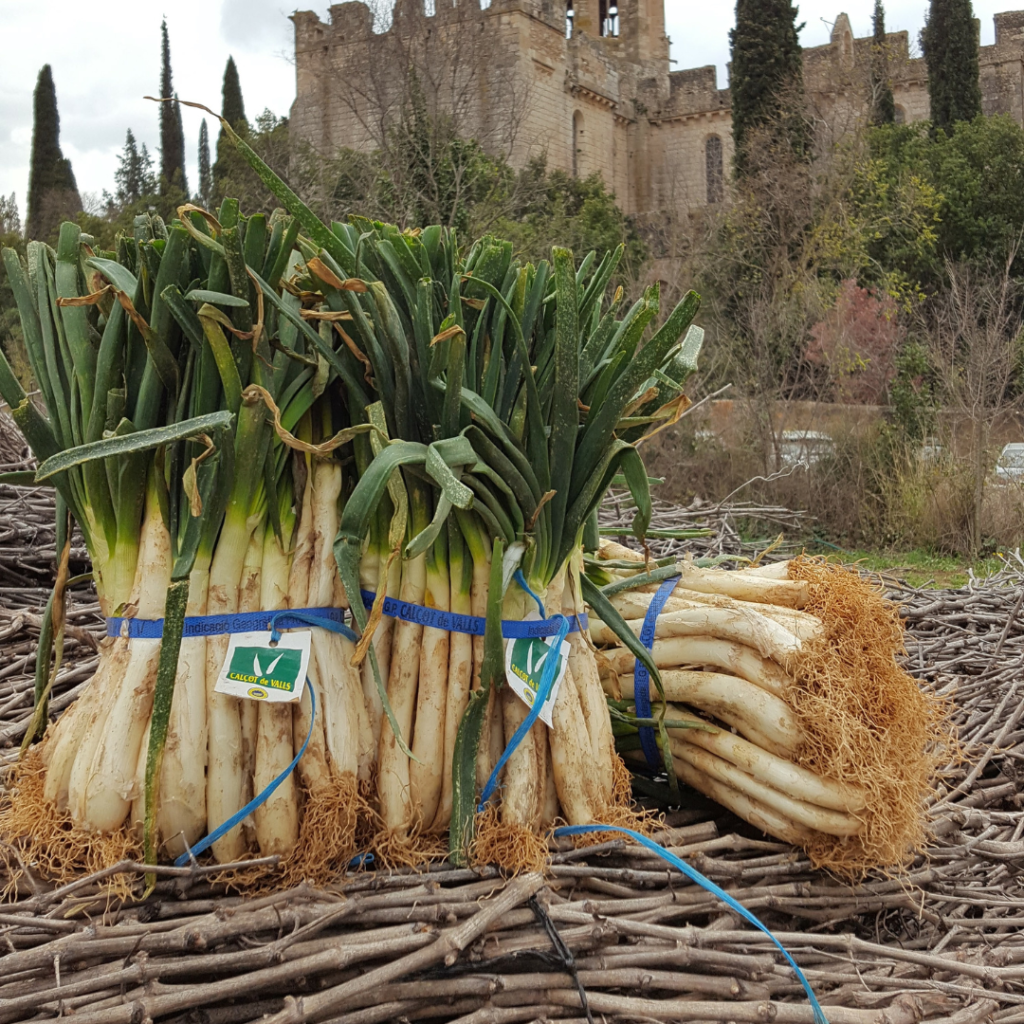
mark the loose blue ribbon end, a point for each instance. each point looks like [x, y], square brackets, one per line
[705, 883]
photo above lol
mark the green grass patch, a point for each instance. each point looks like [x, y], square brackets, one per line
[918, 567]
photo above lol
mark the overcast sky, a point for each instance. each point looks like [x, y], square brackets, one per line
[106, 57]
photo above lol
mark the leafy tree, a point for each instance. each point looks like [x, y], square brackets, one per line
[950, 44]
[554, 208]
[172, 136]
[52, 192]
[134, 175]
[883, 105]
[205, 195]
[977, 172]
[766, 78]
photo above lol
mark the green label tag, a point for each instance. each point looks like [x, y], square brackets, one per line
[258, 671]
[525, 660]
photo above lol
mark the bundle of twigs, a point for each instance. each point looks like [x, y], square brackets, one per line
[609, 933]
[723, 525]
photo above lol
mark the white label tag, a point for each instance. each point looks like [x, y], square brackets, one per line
[525, 659]
[255, 670]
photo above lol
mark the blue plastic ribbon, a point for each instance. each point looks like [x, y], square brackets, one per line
[257, 801]
[218, 625]
[642, 678]
[705, 883]
[309, 617]
[474, 625]
[547, 680]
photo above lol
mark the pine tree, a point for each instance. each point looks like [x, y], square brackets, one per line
[10, 221]
[766, 79]
[172, 137]
[205, 176]
[232, 109]
[950, 44]
[52, 192]
[134, 174]
[883, 104]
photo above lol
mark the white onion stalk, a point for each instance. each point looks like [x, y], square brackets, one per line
[344, 651]
[313, 769]
[277, 820]
[687, 651]
[225, 782]
[393, 782]
[570, 755]
[754, 713]
[833, 823]
[634, 603]
[373, 562]
[523, 790]
[460, 670]
[339, 679]
[748, 628]
[66, 737]
[758, 589]
[181, 802]
[249, 595]
[425, 773]
[597, 720]
[771, 571]
[108, 787]
[82, 747]
[777, 772]
[759, 815]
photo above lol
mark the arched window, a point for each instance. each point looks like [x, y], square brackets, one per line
[713, 169]
[577, 142]
[608, 12]
[901, 115]
[569, 14]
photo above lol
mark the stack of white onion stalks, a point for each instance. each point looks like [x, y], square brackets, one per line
[343, 409]
[742, 657]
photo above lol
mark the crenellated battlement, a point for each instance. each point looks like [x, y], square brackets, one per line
[587, 85]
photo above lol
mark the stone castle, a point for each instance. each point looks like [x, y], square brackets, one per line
[587, 84]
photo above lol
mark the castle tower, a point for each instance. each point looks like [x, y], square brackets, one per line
[642, 30]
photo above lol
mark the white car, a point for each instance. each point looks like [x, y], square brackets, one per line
[1011, 463]
[803, 447]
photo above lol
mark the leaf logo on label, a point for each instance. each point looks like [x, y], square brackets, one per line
[525, 658]
[258, 668]
[280, 674]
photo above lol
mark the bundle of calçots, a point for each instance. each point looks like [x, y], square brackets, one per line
[787, 702]
[252, 415]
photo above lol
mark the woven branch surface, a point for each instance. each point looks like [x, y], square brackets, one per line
[607, 934]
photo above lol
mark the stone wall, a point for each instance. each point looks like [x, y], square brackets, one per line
[603, 100]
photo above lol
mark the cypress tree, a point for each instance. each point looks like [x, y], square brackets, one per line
[883, 105]
[232, 109]
[205, 177]
[172, 137]
[766, 78]
[52, 192]
[950, 44]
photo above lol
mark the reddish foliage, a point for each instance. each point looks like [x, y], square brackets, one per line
[858, 341]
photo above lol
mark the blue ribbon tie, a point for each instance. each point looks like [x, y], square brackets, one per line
[642, 678]
[705, 883]
[547, 680]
